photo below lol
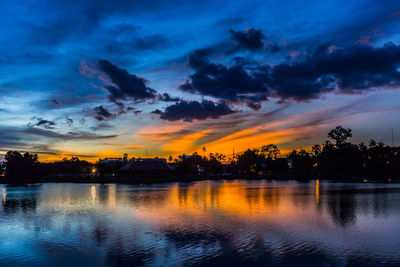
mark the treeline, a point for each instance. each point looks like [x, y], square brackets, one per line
[337, 158]
[26, 166]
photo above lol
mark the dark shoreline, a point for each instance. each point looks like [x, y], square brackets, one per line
[174, 179]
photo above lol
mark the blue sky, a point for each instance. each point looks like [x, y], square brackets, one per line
[238, 74]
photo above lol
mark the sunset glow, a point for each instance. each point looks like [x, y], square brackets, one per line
[100, 80]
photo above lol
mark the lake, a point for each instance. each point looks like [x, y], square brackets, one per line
[251, 223]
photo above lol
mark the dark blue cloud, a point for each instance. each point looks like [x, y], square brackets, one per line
[165, 97]
[234, 84]
[47, 124]
[348, 70]
[101, 113]
[327, 69]
[127, 86]
[194, 110]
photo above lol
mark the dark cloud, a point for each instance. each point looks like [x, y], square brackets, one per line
[327, 69]
[55, 101]
[126, 86]
[194, 110]
[69, 120]
[349, 70]
[250, 38]
[167, 98]
[233, 84]
[44, 123]
[101, 113]
[89, 13]
[134, 110]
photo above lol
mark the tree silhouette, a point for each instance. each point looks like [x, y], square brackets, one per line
[340, 135]
[250, 160]
[204, 151]
[271, 151]
[316, 149]
[20, 166]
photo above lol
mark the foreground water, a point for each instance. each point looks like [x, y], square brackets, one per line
[203, 223]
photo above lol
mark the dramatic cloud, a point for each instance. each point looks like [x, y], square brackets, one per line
[343, 70]
[248, 39]
[232, 84]
[349, 70]
[126, 86]
[101, 113]
[194, 110]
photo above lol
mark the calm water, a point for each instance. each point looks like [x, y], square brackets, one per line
[204, 223]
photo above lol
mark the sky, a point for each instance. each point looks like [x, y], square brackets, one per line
[99, 78]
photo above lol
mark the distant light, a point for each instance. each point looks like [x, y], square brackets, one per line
[365, 180]
[93, 170]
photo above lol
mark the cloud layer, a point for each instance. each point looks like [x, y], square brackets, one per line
[327, 69]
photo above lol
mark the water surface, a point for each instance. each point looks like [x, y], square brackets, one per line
[202, 223]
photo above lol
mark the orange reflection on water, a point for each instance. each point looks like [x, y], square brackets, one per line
[239, 200]
[111, 195]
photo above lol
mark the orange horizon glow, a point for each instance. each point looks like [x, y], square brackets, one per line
[291, 132]
[240, 141]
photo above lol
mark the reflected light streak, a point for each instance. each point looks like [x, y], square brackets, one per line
[93, 192]
[4, 195]
[317, 200]
[111, 195]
